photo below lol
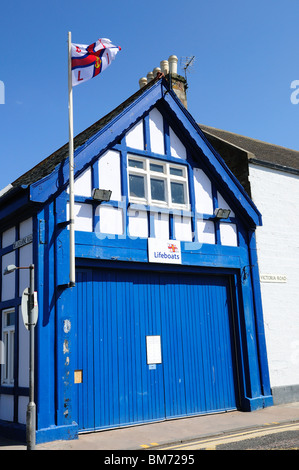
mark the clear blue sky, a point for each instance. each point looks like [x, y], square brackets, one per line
[246, 58]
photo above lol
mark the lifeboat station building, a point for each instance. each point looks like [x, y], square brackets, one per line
[165, 318]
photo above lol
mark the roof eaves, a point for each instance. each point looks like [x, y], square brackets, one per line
[274, 166]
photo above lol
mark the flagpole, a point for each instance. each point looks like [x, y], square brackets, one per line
[71, 166]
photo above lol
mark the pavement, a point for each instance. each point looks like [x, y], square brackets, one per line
[175, 431]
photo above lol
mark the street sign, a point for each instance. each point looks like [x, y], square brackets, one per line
[25, 308]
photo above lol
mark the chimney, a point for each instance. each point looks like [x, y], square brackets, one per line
[169, 68]
[177, 83]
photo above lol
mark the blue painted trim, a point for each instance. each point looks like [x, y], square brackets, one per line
[54, 433]
[253, 404]
[17, 329]
[13, 431]
[154, 156]
[167, 139]
[122, 248]
[151, 223]
[10, 303]
[94, 184]
[45, 329]
[15, 204]
[261, 340]
[192, 202]
[124, 186]
[14, 390]
[216, 224]
[146, 134]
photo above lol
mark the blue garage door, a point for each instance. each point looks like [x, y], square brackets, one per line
[152, 346]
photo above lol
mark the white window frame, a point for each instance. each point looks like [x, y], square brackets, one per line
[166, 176]
[8, 339]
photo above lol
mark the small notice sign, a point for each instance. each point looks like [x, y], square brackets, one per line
[281, 278]
[164, 251]
[24, 241]
[153, 349]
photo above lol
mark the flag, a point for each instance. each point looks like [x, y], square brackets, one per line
[90, 61]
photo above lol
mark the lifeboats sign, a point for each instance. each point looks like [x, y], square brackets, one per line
[164, 251]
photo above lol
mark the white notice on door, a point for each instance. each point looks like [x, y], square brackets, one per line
[153, 349]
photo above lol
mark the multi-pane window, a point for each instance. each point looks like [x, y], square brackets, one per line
[7, 346]
[158, 183]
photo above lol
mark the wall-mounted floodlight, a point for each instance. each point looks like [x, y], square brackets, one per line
[222, 213]
[9, 269]
[102, 195]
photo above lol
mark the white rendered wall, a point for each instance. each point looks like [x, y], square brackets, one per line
[135, 137]
[276, 195]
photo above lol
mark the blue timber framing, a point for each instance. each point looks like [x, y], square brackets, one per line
[55, 333]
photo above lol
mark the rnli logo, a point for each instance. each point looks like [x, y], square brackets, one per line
[173, 248]
[98, 63]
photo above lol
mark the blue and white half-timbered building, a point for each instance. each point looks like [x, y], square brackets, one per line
[165, 319]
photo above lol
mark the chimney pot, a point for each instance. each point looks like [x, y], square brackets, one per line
[150, 76]
[156, 71]
[173, 64]
[142, 82]
[164, 66]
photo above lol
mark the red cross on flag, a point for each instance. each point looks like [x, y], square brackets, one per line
[90, 61]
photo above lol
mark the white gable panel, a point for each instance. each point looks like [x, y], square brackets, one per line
[161, 226]
[8, 237]
[177, 149]
[223, 204]
[203, 192]
[109, 173]
[25, 259]
[205, 231]
[82, 184]
[138, 225]
[26, 228]
[135, 136]
[228, 234]
[7, 407]
[22, 412]
[111, 220]
[8, 280]
[83, 217]
[156, 126]
[182, 228]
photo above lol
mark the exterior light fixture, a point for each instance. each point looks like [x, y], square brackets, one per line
[222, 213]
[101, 195]
[9, 269]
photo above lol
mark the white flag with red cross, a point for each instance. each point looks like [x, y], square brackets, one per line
[90, 61]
